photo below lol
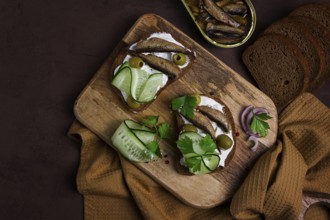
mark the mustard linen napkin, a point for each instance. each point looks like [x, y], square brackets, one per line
[284, 181]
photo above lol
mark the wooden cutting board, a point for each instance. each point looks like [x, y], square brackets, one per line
[101, 110]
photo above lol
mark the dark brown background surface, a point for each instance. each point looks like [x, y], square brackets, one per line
[49, 50]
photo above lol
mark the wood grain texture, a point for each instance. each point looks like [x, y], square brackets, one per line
[101, 110]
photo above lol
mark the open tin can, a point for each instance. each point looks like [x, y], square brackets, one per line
[223, 23]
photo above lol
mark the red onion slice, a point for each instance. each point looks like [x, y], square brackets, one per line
[246, 119]
[245, 112]
[247, 116]
[255, 141]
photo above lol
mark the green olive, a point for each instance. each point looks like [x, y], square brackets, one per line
[136, 62]
[198, 98]
[189, 127]
[224, 141]
[179, 59]
[132, 103]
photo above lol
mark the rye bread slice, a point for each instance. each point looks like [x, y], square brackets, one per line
[302, 38]
[316, 11]
[278, 67]
[323, 37]
[325, 4]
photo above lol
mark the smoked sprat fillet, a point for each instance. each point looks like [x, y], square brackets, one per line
[161, 64]
[158, 45]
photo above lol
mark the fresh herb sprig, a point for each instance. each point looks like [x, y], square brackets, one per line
[207, 144]
[185, 104]
[194, 161]
[259, 124]
[163, 131]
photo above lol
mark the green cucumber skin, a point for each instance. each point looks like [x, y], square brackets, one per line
[145, 136]
[125, 64]
[136, 126]
[127, 143]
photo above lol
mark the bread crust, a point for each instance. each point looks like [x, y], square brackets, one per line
[316, 11]
[322, 36]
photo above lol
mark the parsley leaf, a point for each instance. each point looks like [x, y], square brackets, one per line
[164, 131]
[150, 121]
[194, 163]
[263, 116]
[185, 145]
[258, 124]
[207, 144]
[185, 104]
[152, 146]
[177, 103]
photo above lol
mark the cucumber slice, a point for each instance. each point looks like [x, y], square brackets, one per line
[125, 64]
[203, 168]
[136, 126]
[154, 83]
[125, 141]
[196, 165]
[142, 86]
[145, 136]
[203, 164]
[211, 161]
[139, 78]
[195, 137]
[122, 79]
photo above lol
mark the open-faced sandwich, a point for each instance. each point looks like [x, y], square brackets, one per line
[146, 67]
[206, 134]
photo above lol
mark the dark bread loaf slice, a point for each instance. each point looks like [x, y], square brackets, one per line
[316, 11]
[302, 38]
[323, 37]
[325, 4]
[278, 67]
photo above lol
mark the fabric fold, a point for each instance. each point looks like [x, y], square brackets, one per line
[293, 175]
[302, 152]
[100, 179]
